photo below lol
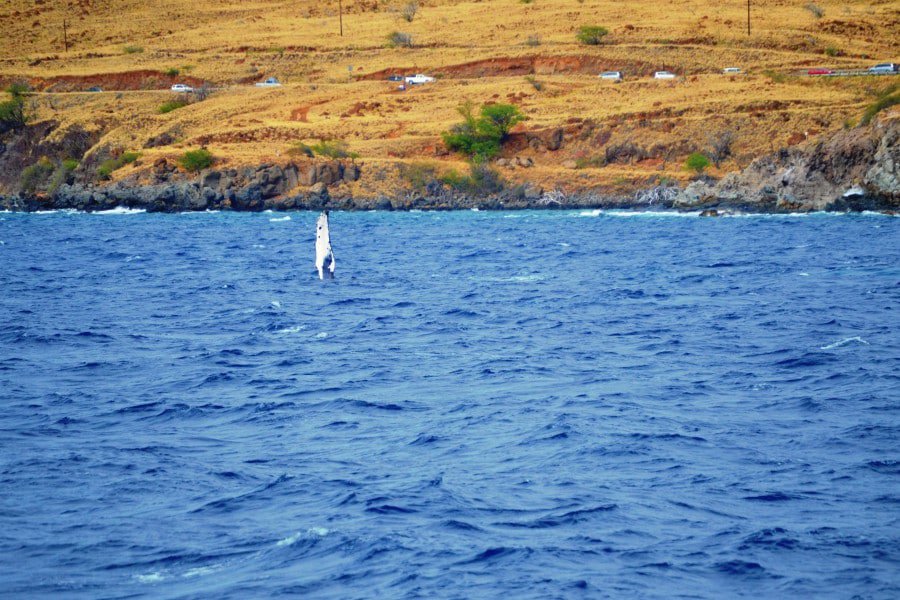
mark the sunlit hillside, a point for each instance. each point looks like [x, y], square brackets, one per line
[513, 51]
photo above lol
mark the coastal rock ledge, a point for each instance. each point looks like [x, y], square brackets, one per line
[852, 170]
[855, 169]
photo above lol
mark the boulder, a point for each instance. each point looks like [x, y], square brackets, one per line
[695, 194]
[533, 192]
[352, 172]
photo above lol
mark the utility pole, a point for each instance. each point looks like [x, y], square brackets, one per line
[341, 16]
[748, 18]
[65, 37]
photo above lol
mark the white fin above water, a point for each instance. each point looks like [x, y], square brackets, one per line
[324, 254]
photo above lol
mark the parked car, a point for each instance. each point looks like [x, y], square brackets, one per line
[819, 72]
[884, 68]
[182, 88]
[417, 79]
[731, 70]
[270, 82]
[395, 78]
[664, 75]
[615, 76]
[95, 89]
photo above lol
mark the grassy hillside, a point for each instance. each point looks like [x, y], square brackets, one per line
[514, 51]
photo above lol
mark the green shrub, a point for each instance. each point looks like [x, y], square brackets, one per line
[399, 39]
[833, 51]
[408, 12]
[132, 49]
[70, 164]
[481, 180]
[697, 162]
[592, 35]
[196, 160]
[172, 72]
[167, 107]
[891, 97]
[300, 149]
[333, 149]
[533, 40]
[35, 177]
[107, 167]
[419, 175]
[815, 10]
[537, 85]
[481, 137]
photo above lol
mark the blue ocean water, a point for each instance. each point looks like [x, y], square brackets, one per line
[556, 404]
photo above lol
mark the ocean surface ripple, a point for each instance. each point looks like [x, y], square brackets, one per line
[555, 404]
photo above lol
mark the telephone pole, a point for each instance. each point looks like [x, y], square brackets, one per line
[748, 18]
[65, 37]
[341, 16]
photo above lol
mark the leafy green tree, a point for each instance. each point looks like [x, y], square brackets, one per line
[481, 137]
[12, 111]
[592, 35]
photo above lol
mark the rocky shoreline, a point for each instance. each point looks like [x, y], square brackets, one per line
[853, 170]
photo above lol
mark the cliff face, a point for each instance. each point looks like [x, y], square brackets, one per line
[855, 169]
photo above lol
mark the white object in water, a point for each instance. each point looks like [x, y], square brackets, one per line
[324, 255]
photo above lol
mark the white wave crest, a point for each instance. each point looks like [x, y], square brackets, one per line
[844, 342]
[150, 577]
[280, 219]
[290, 330]
[311, 532]
[121, 210]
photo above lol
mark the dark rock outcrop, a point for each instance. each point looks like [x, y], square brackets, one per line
[856, 169]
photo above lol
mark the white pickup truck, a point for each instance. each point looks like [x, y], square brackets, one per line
[417, 79]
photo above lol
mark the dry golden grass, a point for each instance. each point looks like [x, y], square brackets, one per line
[233, 42]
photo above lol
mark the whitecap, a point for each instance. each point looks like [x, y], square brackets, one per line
[321, 335]
[651, 213]
[290, 330]
[280, 219]
[804, 274]
[311, 532]
[276, 304]
[590, 213]
[844, 342]
[289, 540]
[150, 577]
[258, 246]
[198, 571]
[121, 210]
[475, 209]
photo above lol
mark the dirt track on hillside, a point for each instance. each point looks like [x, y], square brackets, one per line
[524, 65]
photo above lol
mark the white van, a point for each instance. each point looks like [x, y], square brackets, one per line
[731, 70]
[664, 75]
[615, 76]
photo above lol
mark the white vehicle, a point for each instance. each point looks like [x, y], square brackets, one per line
[611, 76]
[418, 79]
[664, 75]
[883, 68]
[182, 88]
[270, 82]
[731, 70]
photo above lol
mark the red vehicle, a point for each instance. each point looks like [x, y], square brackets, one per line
[819, 72]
